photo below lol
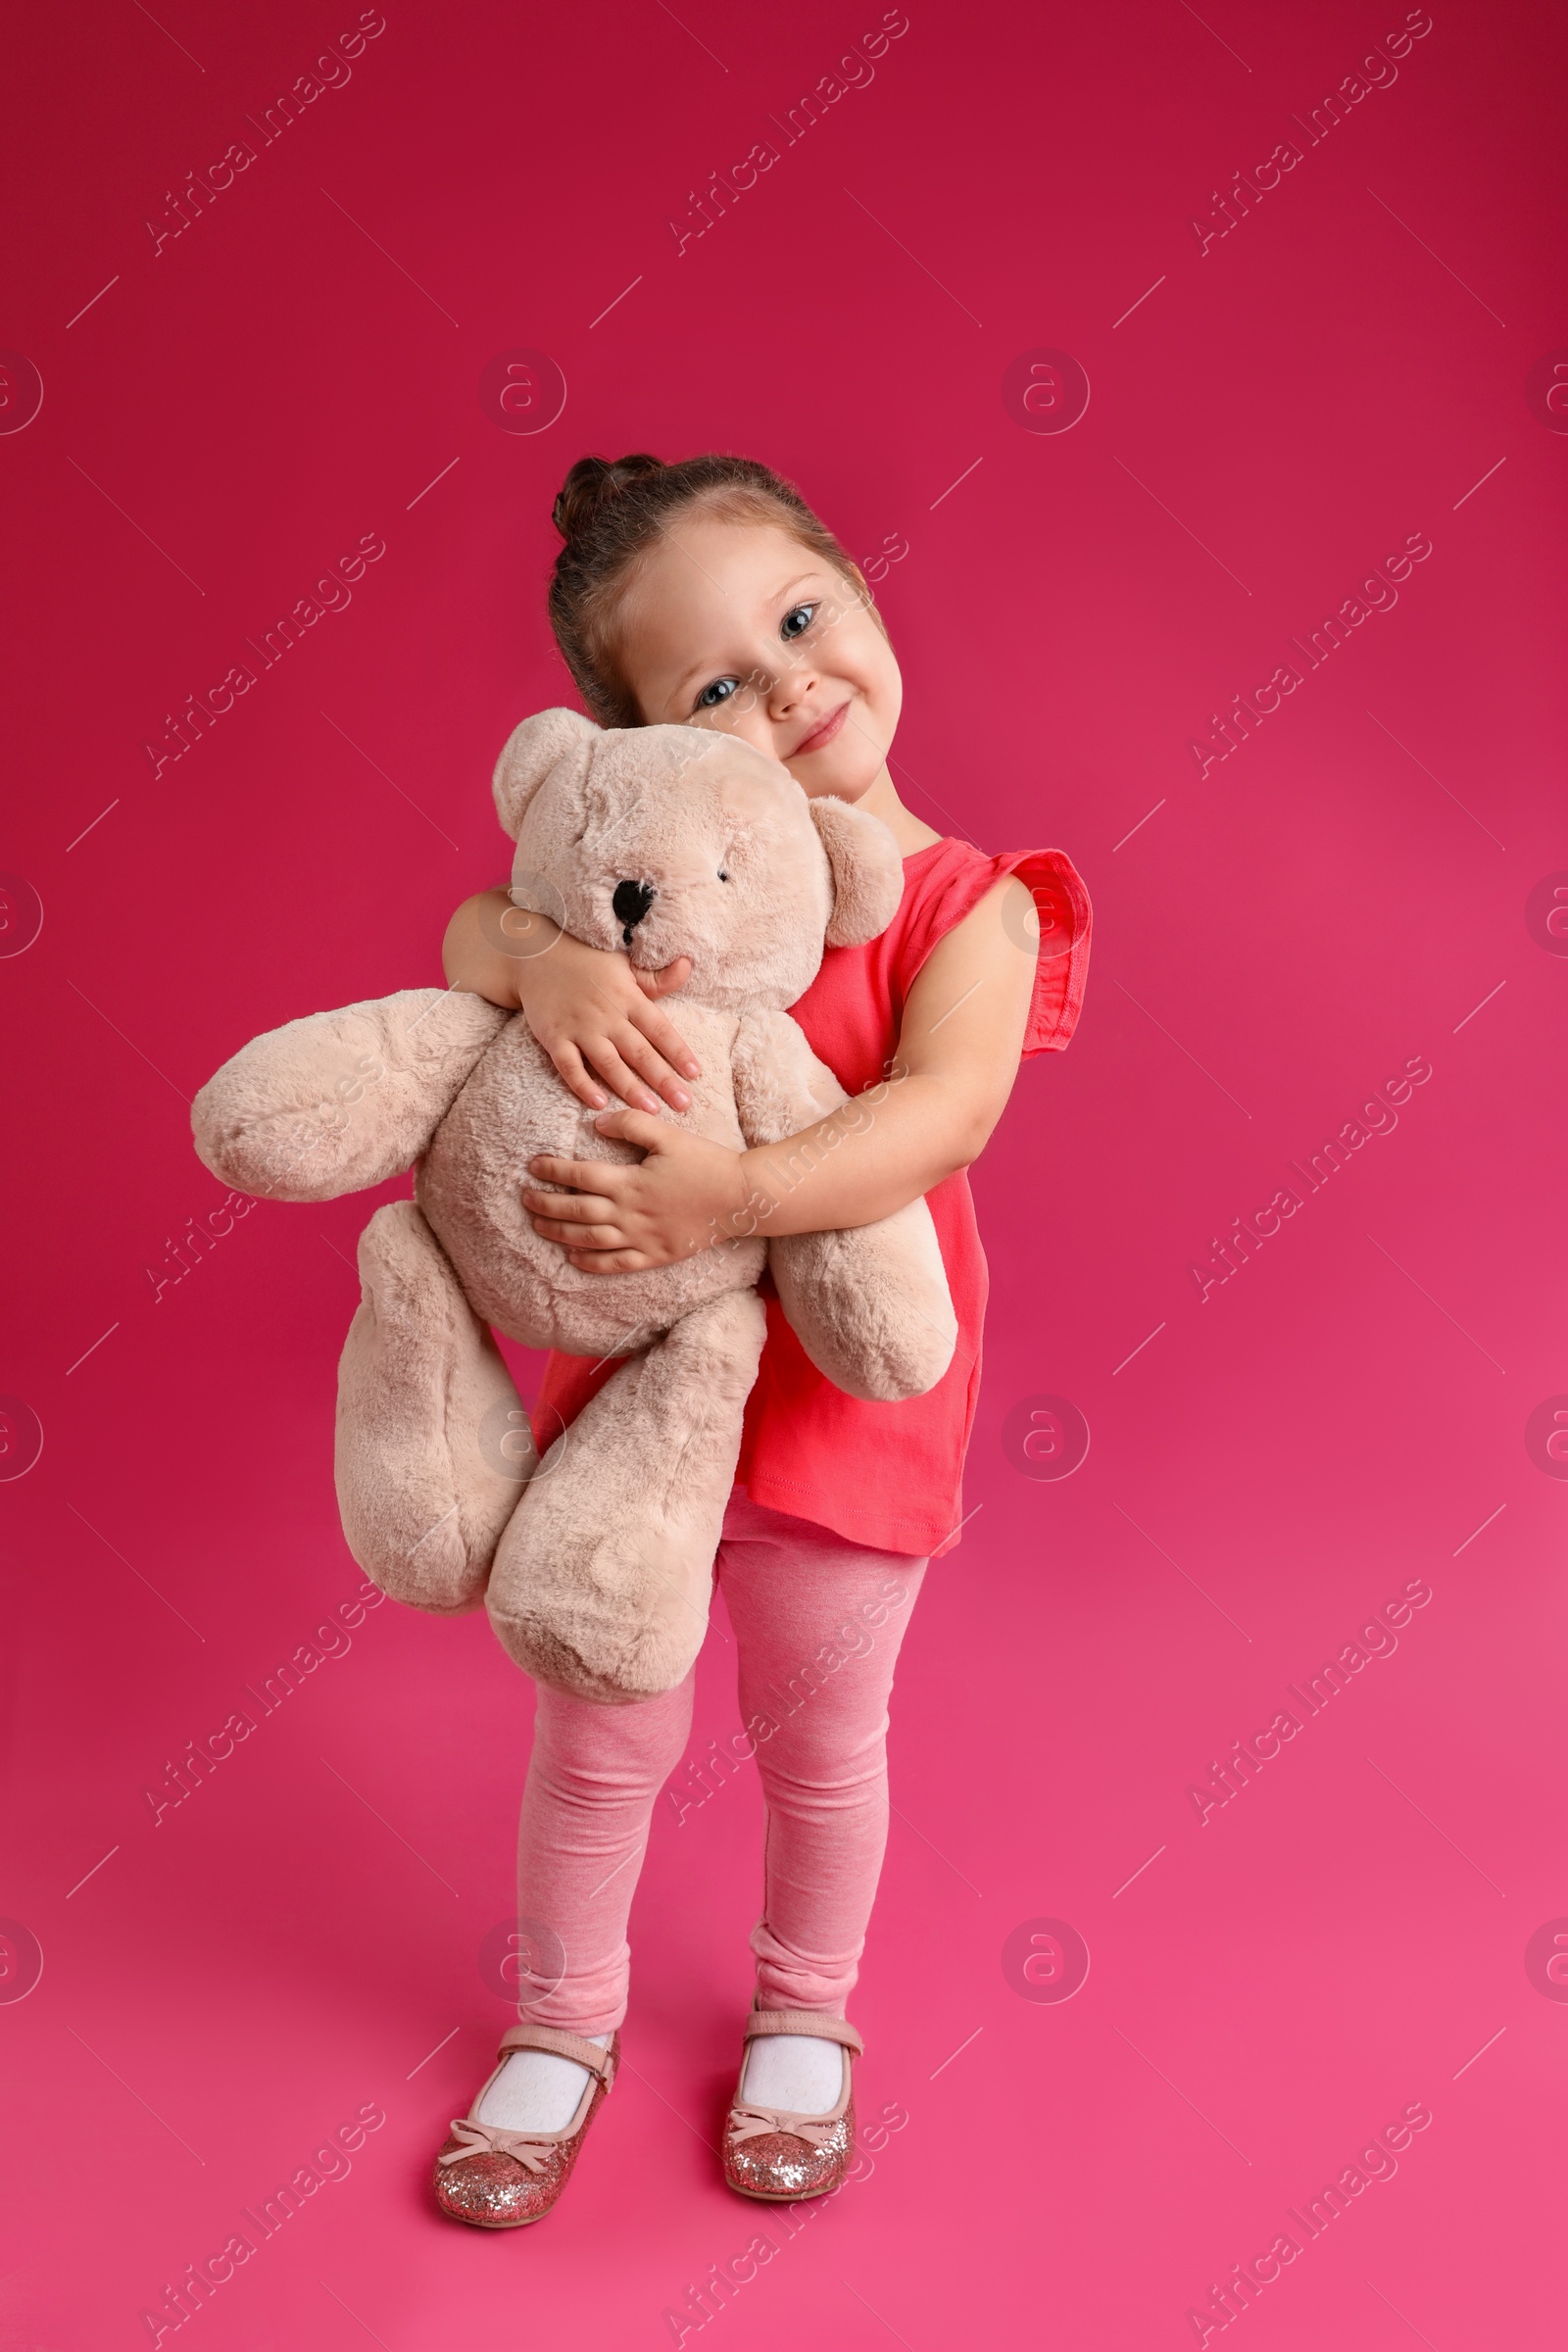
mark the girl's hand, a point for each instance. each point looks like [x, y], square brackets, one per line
[596, 1017]
[599, 1018]
[622, 1217]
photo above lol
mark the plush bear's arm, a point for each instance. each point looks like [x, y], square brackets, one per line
[870, 1306]
[341, 1100]
[780, 1085]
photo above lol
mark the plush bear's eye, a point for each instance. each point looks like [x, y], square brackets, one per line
[723, 877]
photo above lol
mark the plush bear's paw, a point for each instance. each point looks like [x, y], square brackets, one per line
[870, 1306]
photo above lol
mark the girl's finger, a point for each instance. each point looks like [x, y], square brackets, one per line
[547, 1169]
[572, 1069]
[635, 1050]
[619, 1079]
[603, 1180]
[568, 1208]
[576, 1175]
[608, 1262]
[664, 982]
[637, 1127]
[665, 1038]
[581, 1237]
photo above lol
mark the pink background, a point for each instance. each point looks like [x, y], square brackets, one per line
[1268, 418]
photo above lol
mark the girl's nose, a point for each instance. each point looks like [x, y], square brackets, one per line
[793, 684]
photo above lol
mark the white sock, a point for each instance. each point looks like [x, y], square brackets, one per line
[537, 2091]
[800, 2073]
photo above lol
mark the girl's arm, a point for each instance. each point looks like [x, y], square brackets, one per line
[595, 1016]
[963, 1028]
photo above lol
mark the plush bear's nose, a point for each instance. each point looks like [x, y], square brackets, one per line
[631, 903]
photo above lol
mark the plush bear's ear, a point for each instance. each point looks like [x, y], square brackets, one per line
[531, 751]
[867, 871]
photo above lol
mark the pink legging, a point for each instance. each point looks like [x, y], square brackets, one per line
[817, 1623]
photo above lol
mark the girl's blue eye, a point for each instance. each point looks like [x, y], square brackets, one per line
[797, 621]
[719, 692]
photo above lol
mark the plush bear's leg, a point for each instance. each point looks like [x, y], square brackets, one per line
[602, 1580]
[433, 1446]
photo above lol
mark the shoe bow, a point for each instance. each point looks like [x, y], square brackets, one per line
[489, 2140]
[755, 2122]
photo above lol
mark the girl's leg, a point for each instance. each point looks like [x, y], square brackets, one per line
[593, 1777]
[817, 1624]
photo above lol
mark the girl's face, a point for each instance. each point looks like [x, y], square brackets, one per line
[737, 627]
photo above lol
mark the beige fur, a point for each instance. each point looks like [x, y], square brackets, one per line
[596, 1562]
[433, 1446]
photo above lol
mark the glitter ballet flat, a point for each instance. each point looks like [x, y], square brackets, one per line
[498, 2180]
[770, 2152]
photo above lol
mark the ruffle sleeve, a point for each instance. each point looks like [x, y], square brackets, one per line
[1057, 929]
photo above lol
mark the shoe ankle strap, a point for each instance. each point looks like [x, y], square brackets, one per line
[525, 2036]
[809, 2021]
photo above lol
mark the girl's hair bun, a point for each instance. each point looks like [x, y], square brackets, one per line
[593, 484]
[611, 512]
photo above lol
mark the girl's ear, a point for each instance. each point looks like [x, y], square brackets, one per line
[531, 751]
[867, 871]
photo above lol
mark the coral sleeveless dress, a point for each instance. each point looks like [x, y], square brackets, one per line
[885, 1475]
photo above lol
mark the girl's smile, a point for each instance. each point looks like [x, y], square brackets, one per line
[820, 737]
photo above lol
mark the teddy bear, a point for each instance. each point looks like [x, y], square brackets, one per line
[594, 1560]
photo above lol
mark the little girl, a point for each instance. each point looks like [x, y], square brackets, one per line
[708, 594]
